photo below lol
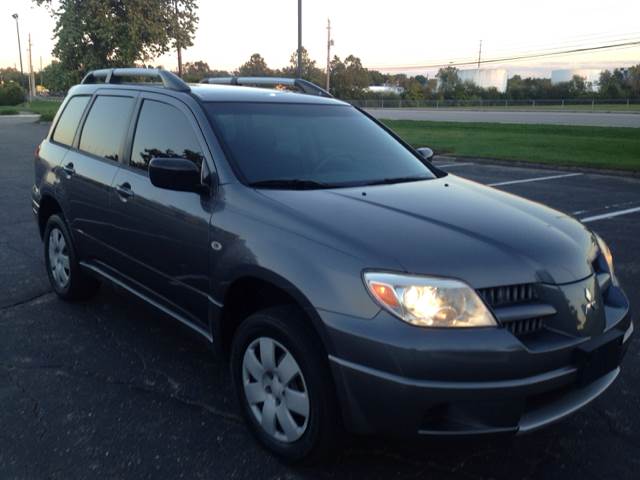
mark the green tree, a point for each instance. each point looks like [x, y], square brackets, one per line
[309, 69]
[193, 72]
[255, 67]
[57, 78]
[348, 78]
[448, 82]
[634, 81]
[612, 84]
[11, 94]
[109, 33]
[414, 89]
[10, 74]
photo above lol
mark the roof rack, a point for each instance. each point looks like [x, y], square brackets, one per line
[303, 86]
[114, 75]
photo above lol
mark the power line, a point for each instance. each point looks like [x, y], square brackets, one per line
[514, 58]
[567, 42]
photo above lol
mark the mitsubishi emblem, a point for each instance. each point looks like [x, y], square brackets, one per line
[591, 303]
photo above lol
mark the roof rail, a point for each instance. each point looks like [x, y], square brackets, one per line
[114, 75]
[302, 85]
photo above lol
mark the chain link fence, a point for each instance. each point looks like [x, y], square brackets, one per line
[582, 104]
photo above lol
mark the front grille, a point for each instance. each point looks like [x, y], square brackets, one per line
[524, 327]
[509, 295]
[512, 296]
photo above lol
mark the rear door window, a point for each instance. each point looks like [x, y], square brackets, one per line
[68, 123]
[106, 126]
[164, 131]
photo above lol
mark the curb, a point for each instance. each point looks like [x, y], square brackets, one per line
[19, 119]
[540, 166]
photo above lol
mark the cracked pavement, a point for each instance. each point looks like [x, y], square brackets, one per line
[112, 389]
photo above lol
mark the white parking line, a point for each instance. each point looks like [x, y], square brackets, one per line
[537, 179]
[455, 164]
[609, 215]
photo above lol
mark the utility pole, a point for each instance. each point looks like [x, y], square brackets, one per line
[32, 78]
[299, 38]
[15, 17]
[329, 45]
[41, 75]
[479, 54]
[178, 48]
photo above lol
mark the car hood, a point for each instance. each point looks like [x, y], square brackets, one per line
[449, 227]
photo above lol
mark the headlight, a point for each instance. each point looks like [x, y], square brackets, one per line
[606, 253]
[428, 301]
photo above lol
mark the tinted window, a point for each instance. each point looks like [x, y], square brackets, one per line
[106, 126]
[163, 131]
[68, 123]
[333, 145]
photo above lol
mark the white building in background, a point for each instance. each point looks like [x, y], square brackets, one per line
[385, 89]
[495, 77]
[590, 75]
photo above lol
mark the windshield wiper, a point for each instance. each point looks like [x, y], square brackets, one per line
[388, 181]
[290, 184]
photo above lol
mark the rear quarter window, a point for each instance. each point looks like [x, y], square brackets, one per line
[68, 124]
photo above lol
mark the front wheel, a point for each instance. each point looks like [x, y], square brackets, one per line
[284, 386]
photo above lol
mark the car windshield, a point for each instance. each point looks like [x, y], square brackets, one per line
[305, 146]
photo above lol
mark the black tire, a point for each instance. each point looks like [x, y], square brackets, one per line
[79, 286]
[288, 327]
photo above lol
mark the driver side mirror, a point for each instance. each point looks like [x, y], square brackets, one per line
[175, 174]
[426, 153]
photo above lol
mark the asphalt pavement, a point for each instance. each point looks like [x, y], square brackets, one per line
[109, 388]
[594, 119]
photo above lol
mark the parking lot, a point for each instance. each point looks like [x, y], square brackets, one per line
[111, 389]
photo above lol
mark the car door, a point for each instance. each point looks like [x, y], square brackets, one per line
[162, 236]
[88, 171]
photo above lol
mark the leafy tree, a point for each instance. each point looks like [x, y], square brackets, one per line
[348, 78]
[448, 82]
[612, 84]
[577, 86]
[414, 89]
[421, 79]
[634, 81]
[195, 71]
[11, 94]
[10, 74]
[108, 33]
[255, 67]
[57, 78]
[309, 69]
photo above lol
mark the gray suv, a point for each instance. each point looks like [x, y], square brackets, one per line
[351, 284]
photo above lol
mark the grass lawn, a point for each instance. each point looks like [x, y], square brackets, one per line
[46, 108]
[580, 108]
[600, 147]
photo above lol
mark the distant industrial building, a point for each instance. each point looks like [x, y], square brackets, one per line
[496, 78]
[590, 75]
[385, 89]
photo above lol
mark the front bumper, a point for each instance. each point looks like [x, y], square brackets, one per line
[396, 378]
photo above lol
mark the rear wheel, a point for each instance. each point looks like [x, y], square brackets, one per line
[65, 276]
[283, 383]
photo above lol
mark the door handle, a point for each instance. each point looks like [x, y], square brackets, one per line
[124, 191]
[69, 169]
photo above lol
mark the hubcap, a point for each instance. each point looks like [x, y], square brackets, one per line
[58, 258]
[275, 389]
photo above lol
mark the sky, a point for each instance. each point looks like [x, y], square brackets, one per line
[396, 34]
